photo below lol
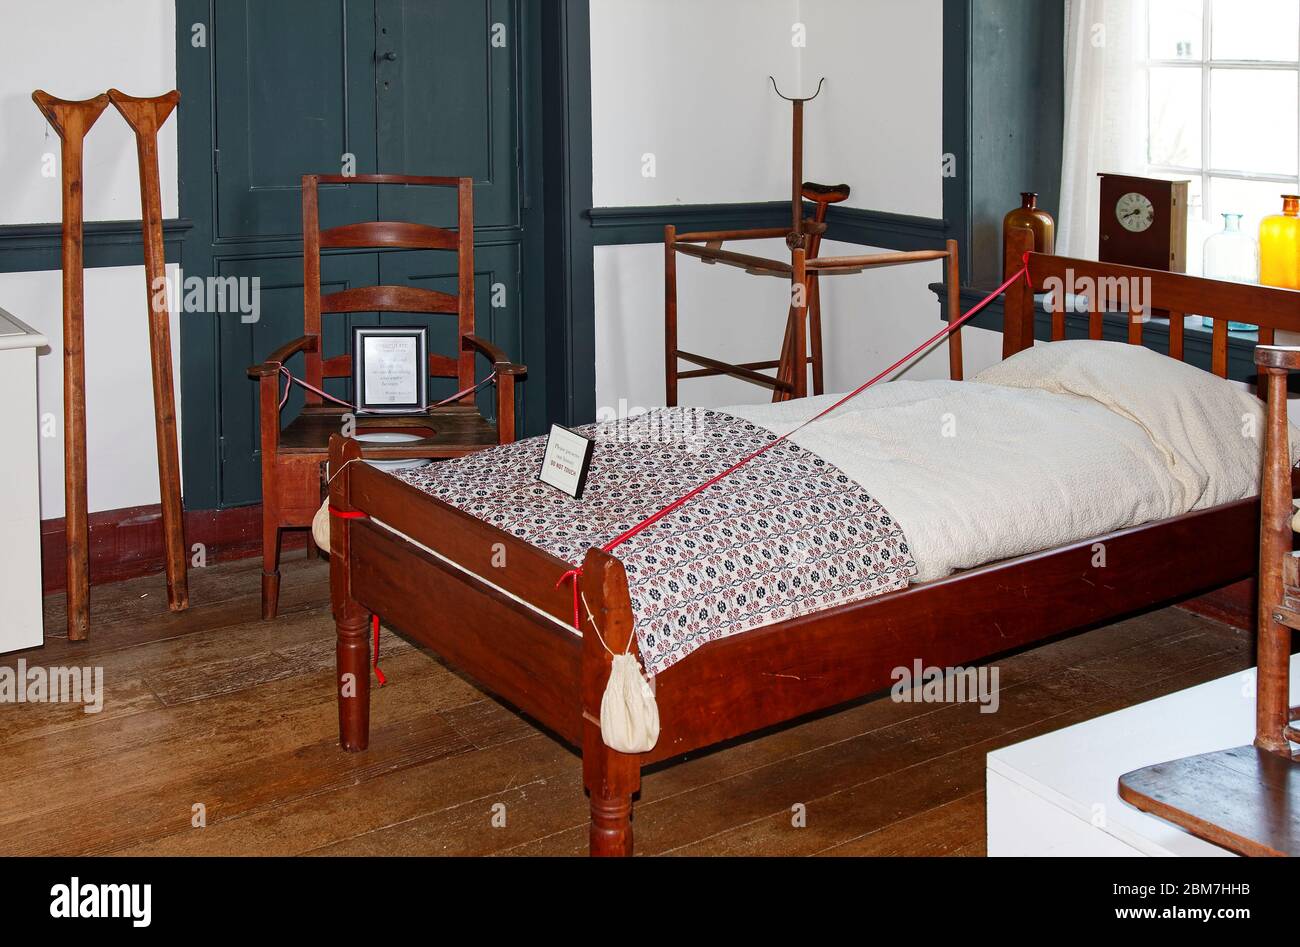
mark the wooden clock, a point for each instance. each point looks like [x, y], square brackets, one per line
[1143, 222]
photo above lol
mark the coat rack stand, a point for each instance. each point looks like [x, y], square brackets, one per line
[146, 116]
[804, 270]
[71, 120]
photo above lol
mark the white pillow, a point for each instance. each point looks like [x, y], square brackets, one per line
[1209, 430]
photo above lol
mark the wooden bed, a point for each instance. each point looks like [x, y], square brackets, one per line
[499, 625]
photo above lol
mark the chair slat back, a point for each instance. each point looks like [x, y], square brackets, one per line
[381, 235]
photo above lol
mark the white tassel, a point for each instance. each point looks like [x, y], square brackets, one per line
[629, 715]
[320, 527]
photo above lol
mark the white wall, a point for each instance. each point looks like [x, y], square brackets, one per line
[687, 81]
[76, 49]
[878, 124]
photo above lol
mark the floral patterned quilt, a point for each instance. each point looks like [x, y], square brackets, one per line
[786, 535]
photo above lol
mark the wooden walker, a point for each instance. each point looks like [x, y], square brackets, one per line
[805, 269]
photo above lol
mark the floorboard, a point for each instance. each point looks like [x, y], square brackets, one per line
[217, 736]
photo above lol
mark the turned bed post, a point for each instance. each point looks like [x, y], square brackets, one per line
[611, 778]
[1018, 301]
[351, 621]
[1272, 700]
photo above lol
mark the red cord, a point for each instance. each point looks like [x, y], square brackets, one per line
[374, 617]
[291, 380]
[374, 657]
[649, 521]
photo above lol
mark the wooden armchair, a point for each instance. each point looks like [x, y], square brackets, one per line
[294, 458]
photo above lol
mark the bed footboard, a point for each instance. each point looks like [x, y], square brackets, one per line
[492, 606]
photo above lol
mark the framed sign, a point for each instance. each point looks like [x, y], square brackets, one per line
[566, 461]
[390, 369]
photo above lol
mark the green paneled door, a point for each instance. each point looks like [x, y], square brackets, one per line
[434, 87]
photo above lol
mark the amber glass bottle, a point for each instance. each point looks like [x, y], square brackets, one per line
[1032, 217]
[1279, 246]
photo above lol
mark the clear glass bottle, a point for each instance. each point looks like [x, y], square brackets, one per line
[1231, 255]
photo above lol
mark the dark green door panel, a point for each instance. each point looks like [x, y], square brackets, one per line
[243, 345]
[496, 278]
[448, 106]
[288, 87]
[294, 85]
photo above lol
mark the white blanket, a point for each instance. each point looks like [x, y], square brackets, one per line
[1060, 443]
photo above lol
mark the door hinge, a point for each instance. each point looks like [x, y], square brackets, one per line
[216, 160]
[221, 449]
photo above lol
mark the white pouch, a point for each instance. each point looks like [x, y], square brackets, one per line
[629, 715]
[320, 527]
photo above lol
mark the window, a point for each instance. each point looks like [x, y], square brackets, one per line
[1223, 107]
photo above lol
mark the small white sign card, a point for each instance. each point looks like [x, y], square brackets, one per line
[566, 461]
[390, 368]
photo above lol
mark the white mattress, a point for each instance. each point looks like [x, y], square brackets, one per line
[1071, 440]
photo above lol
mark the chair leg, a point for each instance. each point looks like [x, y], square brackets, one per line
[270, 565]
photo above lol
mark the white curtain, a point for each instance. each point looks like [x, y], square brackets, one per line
[1105, 111]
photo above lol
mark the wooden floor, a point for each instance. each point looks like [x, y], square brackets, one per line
[215, 708]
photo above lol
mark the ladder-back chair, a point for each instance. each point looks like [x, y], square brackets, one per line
[294, 457]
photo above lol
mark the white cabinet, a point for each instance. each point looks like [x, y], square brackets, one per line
[20, 500]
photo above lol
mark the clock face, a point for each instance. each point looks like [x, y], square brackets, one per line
[1135, 212]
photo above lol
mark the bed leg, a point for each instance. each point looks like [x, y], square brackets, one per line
[611, 779]
[352, 655]
[351, 621]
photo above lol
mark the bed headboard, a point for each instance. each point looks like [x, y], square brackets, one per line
[1138, 291]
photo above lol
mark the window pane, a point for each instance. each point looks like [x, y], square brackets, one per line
[1175, 29]
[1253, 119]
[1175, 115]
[1253, 199]
[1256, 29]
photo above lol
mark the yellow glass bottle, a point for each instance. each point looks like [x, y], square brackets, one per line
[1279, 245]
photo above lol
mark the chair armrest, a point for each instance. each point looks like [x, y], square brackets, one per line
[500, 363]
[271, 366]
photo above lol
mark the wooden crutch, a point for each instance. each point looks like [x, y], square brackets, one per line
[146, 116]
[71, 120]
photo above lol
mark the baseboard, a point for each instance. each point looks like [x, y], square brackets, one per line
[128, 543]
